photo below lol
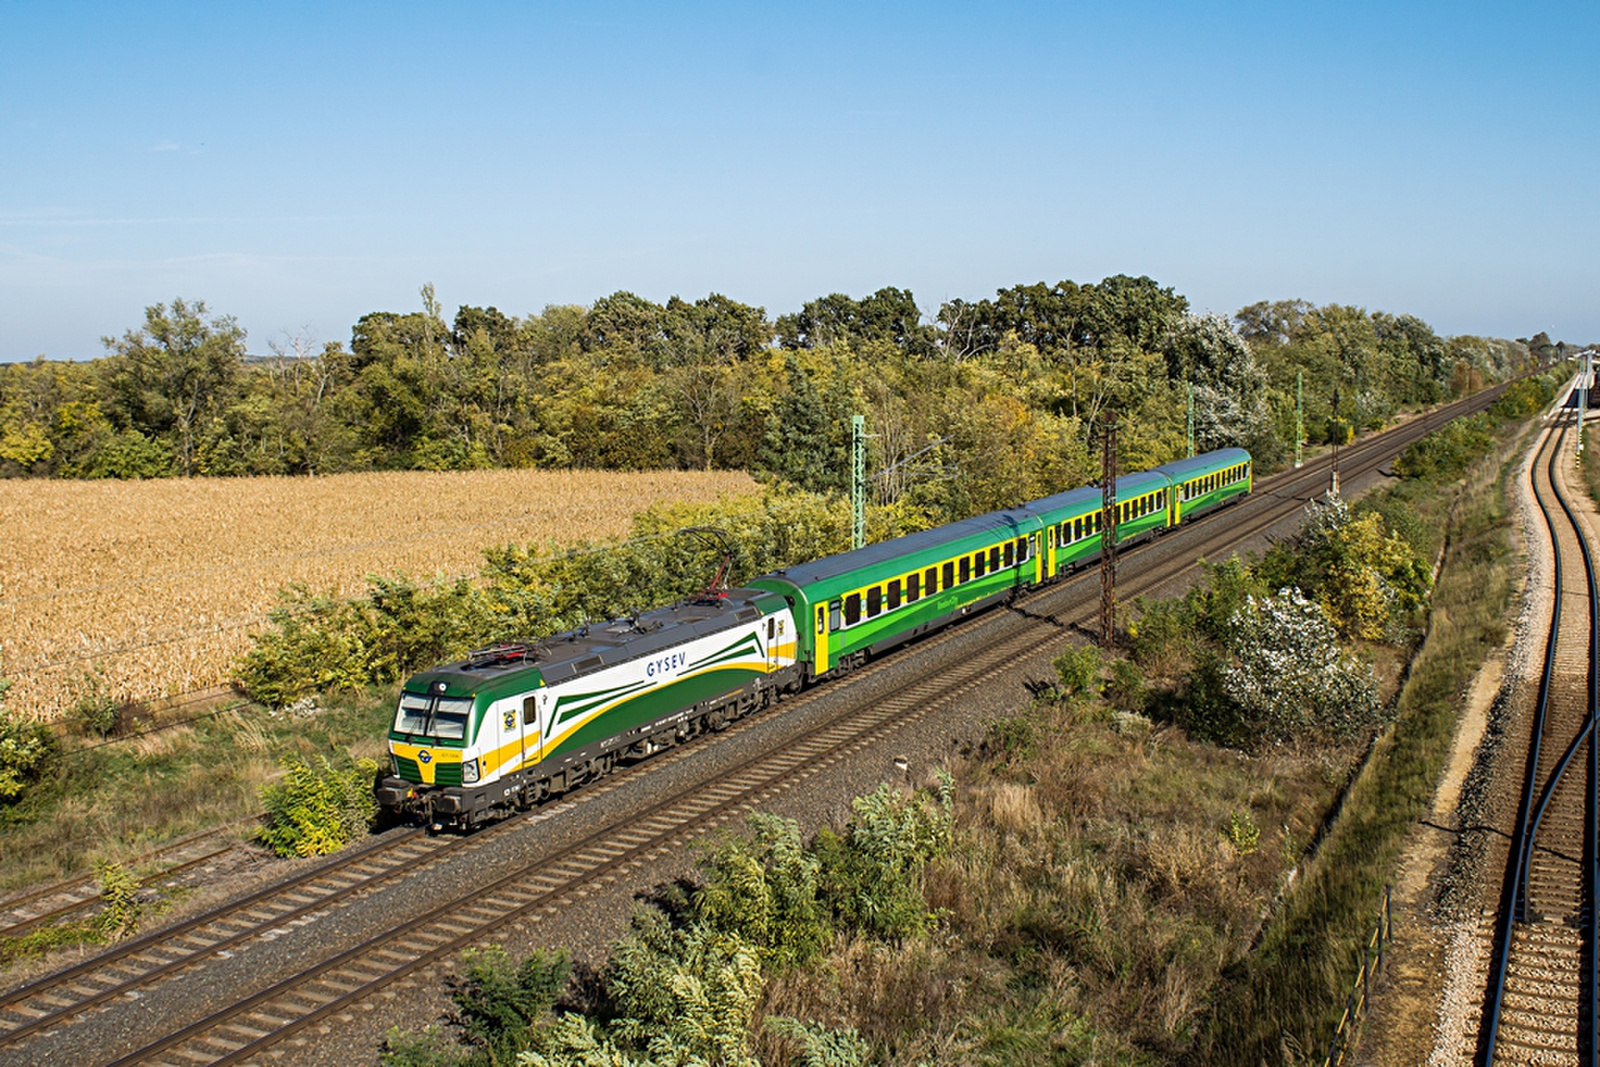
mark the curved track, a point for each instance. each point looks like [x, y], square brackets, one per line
[346, 973]
[1540, 1003]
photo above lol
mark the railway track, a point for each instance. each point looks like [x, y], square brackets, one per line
[60, 901]
[346, 973]
[1540, 1004]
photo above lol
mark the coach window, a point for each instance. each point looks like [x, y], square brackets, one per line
[977, 564]
[994, 558]
[913, 587]
[852, 609]
[833, 615]
[894, 594]
[966, 568]
[930, 578]
[1010, 555]
[530, 711]
[874, 601]
[947, 577]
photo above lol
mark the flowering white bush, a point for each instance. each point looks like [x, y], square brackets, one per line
[1290, 674]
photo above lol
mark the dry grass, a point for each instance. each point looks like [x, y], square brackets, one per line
[158, 584]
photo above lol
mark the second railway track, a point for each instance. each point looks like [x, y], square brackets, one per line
[1540, 1004]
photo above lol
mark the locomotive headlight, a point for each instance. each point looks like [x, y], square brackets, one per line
[469, 772]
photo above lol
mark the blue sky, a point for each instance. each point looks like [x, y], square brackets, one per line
[298, 165]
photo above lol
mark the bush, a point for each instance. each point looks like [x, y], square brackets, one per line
[1078, 669]
[1447, 451]
[1127, 690]
[25, 750]
[499, 1002]
[765, 890]
[872, 877]
[119, 896]
[96, 710]
[1290, 676]
[318, 809]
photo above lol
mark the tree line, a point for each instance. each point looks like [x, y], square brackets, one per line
[975, 405]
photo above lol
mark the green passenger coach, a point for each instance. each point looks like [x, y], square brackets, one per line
[871, 599]
[1201, 483]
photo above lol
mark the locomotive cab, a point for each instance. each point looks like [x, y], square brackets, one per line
[432, 751]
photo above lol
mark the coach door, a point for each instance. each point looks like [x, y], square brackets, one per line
[774, 631]
[531, 734]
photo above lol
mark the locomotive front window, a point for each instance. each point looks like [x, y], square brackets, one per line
[432, 716]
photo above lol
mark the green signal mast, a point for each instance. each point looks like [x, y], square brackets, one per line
[858, 481]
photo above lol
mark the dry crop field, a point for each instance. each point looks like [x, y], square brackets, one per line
[159, 584]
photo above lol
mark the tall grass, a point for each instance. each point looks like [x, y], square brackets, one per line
[110, 803]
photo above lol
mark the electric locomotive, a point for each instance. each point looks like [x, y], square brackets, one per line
[513, 724]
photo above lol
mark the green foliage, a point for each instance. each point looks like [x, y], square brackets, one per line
[973, 405]
[1523, 398]
[318, 808]
[1368, 580]
[405, 1048]
[318, 643]
[821, 1046]
[872, 876]
[1078, 670]
[95, 709]
[765, 890]
[1126, 690]
[1447, 451]
[26, 750]
[1290, 677]
[48, 939]
[1242, 832]
[120, 908]
[684, 993]
[498, 1002]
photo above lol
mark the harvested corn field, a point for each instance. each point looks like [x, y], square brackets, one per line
[157, 585]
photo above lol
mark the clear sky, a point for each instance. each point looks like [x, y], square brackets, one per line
[298, 165]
